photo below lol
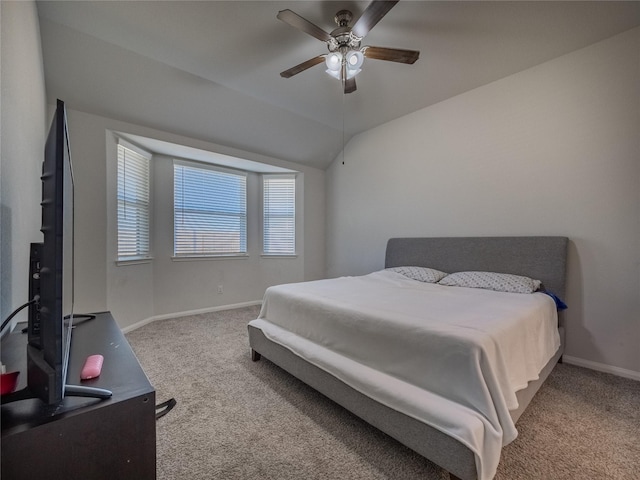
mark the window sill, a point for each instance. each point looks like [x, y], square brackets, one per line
[198, 258]
[134, 261]
[279, 255]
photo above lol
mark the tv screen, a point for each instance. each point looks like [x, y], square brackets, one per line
[50, 318]
[51, 277]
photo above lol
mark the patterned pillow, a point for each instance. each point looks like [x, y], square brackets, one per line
[421, 274]
[500, 282]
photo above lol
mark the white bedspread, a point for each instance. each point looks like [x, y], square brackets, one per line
[451, 357]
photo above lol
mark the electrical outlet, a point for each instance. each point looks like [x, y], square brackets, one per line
[220, 289]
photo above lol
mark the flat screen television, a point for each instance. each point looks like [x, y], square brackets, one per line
[51, 282]
[51, 270]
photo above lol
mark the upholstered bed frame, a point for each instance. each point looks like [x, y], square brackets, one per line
[542, 258]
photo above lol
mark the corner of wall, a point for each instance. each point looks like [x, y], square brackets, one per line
[24, 116]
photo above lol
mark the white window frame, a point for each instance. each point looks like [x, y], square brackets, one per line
[134, 216]
[274, 217]
[198, 252]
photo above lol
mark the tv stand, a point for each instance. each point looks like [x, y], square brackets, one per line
[90, 434]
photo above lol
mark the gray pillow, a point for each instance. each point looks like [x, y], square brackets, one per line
[500, 282]
[421, 274]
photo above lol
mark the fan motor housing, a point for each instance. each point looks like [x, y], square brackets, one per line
[342, 37]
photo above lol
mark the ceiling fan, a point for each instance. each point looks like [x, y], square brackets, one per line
[345, 57]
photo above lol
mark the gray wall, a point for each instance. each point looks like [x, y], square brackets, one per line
[553, 150]
[139, 292]
[23, 125]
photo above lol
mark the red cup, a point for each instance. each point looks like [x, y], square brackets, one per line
[8, 382]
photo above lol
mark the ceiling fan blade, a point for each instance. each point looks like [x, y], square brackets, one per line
[302, 66]
[372, 15]
[391, 54]
[350, 85]
[295, 20]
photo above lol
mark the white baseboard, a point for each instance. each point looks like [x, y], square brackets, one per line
[141, 323]
[601, 367]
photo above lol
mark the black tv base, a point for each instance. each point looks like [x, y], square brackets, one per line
[82, 391]
[82, 437]
[69, 391]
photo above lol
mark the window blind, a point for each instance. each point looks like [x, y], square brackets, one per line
[279, 215]
[133, 204]
[210, 211]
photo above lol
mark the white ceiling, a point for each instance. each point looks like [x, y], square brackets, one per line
[210, 70]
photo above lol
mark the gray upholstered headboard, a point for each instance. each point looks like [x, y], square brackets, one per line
[541, 258]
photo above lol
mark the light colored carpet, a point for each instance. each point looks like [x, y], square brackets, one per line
[238, 419]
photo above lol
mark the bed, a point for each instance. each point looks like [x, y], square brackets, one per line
[354, 339]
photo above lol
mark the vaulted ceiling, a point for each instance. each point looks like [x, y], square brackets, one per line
[210, 70]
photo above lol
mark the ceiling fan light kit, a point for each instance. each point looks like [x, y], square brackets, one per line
[345, 58]
[352, 62]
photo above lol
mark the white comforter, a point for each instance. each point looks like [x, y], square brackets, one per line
[451, 357]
